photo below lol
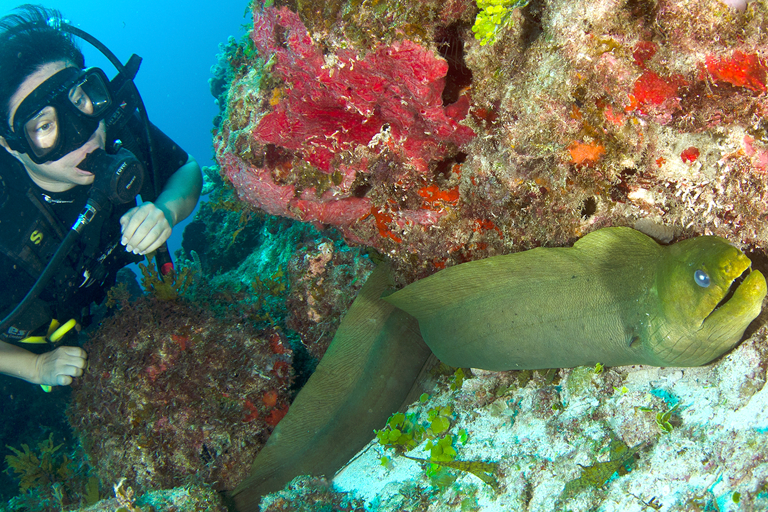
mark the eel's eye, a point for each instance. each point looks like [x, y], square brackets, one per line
[701, 278]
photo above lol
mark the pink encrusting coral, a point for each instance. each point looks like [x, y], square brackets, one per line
[329, 109]
[336, 121]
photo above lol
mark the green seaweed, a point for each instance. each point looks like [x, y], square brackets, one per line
[598, 474]
[663, 419]
[494, 15]
[458, 379]
[403, 433]
[485, 471]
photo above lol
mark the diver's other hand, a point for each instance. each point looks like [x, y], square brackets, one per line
[56, 368]
[145, 228]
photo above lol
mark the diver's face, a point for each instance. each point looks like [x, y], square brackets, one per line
[62, 174]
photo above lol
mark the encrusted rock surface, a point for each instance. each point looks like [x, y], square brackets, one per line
[435, 149]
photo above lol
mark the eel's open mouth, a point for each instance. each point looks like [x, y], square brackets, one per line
[731, 290]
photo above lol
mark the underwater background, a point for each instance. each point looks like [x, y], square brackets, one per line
[426, 134]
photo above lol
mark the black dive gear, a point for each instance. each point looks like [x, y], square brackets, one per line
[60, 115]
[118, 180]
[120, 175]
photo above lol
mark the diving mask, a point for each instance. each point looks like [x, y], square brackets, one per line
[61, 114]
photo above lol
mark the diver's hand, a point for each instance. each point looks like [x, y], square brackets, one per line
[56, 368]
[145, 228]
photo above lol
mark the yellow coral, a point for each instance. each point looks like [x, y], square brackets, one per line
[164, 287]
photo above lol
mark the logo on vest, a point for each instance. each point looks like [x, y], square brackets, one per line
[16, 334]
[36, 237]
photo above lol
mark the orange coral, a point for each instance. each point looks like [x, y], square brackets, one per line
[740, 70]
[382, 219]
[585, 154]
[434, 197]
[270, 398]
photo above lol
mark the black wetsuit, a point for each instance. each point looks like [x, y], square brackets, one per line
[33, 222]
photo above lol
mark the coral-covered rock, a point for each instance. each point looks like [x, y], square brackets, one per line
[339, 131]
[173, 393]
[267, 268]
[308, 493]
[190, 498]
[324, 280]
[579, 113]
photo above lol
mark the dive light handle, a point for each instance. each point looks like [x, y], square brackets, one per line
[163, 260]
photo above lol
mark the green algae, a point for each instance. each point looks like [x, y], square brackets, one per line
[494, 16]
[598, 474]
[403, 432]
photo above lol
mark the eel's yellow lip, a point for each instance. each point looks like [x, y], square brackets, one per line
[745, 303]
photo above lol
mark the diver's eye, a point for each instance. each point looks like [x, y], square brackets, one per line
[701, 278]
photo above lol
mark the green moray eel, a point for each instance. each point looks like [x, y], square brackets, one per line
[366, 374]
[615, 297]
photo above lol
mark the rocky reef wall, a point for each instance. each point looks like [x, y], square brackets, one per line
[397, 123]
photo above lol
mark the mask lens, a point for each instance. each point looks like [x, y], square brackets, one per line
[90, 96]
[61, 114]
[42, 131]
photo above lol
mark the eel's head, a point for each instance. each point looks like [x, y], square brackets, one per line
[708, 295]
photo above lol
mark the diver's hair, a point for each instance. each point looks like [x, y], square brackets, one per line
[29, 39]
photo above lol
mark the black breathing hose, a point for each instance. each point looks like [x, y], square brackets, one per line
[108, 188]
[50, 270]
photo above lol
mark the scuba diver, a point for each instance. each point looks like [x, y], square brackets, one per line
[76, 151]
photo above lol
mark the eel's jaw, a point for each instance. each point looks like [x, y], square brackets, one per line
[725, 325]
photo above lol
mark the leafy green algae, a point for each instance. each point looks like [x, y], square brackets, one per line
[494, 16]
[598, 474]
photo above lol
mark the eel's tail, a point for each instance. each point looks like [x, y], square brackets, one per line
[366, 374]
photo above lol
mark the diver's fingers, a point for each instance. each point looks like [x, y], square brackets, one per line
[131, 221]
[64, 380]
[158, 242]
[57, 368]
[76, 355]
[154, 226]
[71, 361]
[156, 236]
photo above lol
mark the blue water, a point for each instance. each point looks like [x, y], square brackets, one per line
[178, 41]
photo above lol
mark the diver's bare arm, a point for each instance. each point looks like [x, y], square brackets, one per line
[17, 362]
[55, 368]
[181, 193]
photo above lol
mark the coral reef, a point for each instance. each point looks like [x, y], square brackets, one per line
[324, 280]
[315, 494]
[438, 133]
[190, 498]
[588, 438]
[288, 273]
[175, 395]
[222, 75]
[335, 153]
[573, 117]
